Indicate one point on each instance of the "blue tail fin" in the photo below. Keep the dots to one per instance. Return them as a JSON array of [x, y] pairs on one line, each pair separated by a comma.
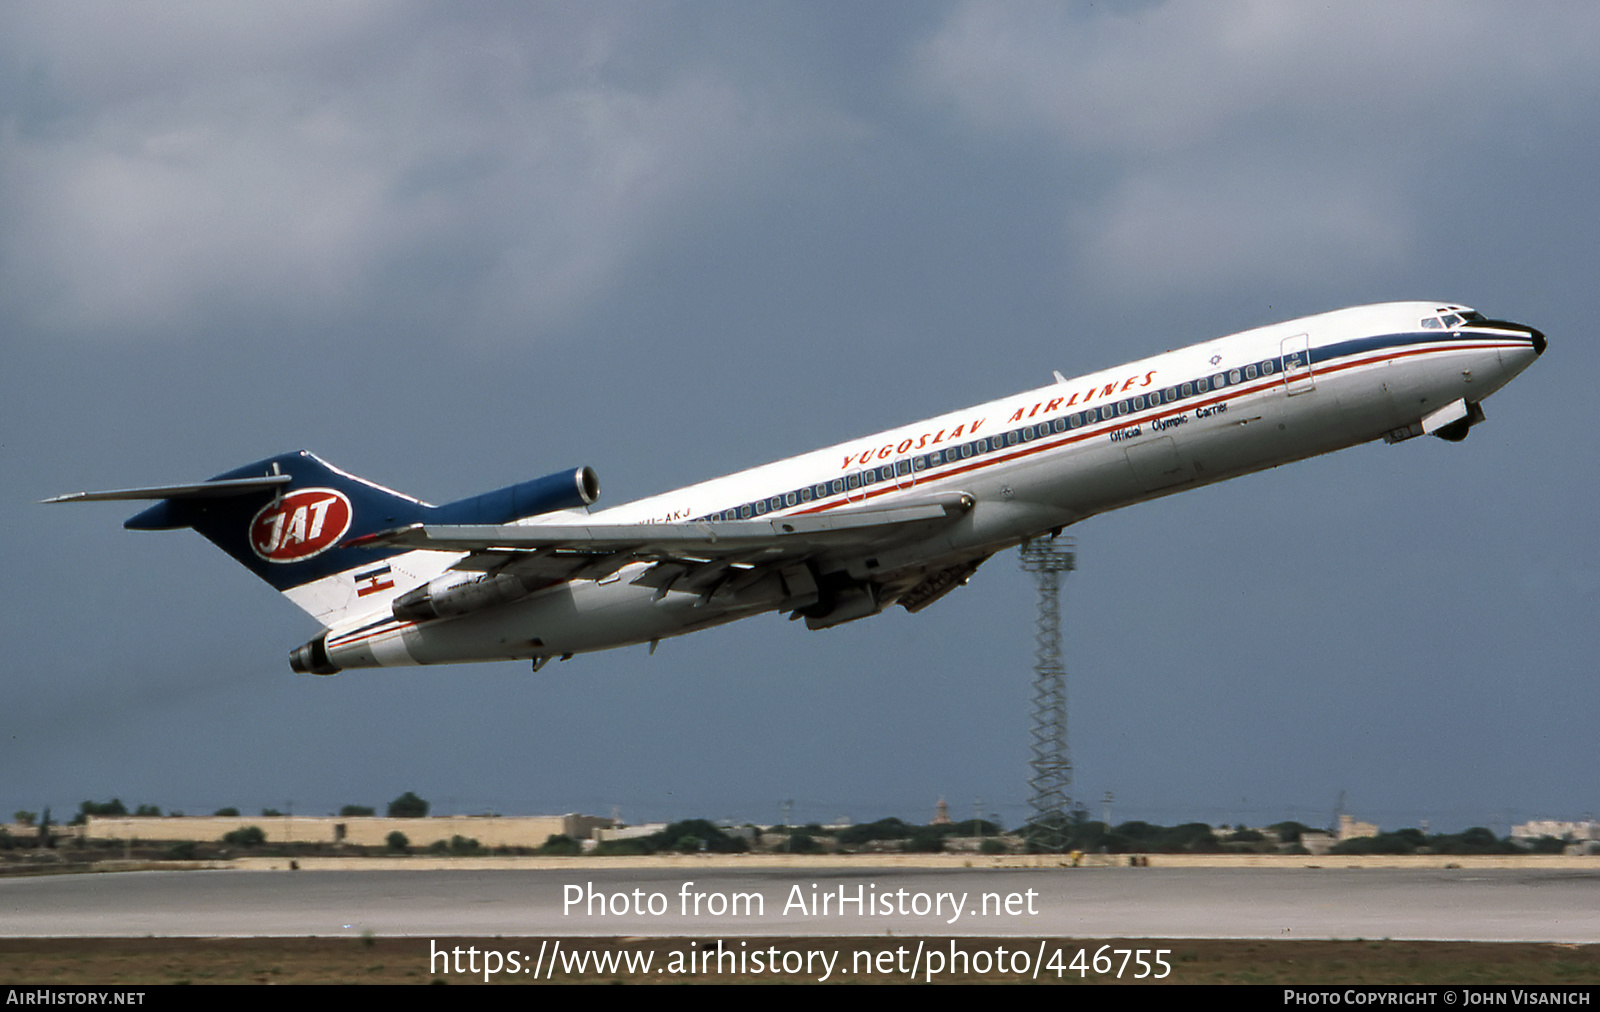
[[294, 533], [290, 535]]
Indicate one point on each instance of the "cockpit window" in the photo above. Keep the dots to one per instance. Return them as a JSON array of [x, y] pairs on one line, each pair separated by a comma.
[[1451, 317]]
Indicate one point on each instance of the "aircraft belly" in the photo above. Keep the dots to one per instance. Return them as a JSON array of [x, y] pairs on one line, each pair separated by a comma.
[[1199, 447], [1285, 428], [1157, 464], [1084, 479], [1194, 447]]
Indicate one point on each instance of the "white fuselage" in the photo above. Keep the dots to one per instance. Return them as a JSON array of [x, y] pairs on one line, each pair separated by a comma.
[[1032, 463]]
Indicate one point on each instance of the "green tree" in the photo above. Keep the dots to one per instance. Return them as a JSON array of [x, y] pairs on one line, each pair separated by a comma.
[[226, 812], [114, 807], [1476, 840], [1139, 832], [248, 836], [1401, 841], [698, 834], [356, 811], [25, 818], [397, 841], [147, 812], [408, 806], [972, 827], [884, 829], [561, 845], [1191, 837]]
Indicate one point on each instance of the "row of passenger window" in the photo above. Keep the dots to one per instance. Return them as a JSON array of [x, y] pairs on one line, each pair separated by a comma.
[[899, 469]]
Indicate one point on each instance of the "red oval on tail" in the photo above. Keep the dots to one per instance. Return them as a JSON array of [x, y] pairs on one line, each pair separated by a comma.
[[303, 523]]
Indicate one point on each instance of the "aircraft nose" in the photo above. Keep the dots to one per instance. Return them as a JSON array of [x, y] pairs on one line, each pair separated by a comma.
[[1534, 334], [1515, 359]]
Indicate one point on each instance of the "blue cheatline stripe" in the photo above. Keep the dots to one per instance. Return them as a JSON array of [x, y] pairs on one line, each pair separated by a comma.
[[1085, 423]]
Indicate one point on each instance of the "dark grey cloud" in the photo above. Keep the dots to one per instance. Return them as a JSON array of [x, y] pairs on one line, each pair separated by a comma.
[[1256, 141], [313, 157]]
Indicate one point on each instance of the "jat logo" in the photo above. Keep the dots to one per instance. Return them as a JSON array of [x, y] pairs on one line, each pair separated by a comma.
[[300, 525]]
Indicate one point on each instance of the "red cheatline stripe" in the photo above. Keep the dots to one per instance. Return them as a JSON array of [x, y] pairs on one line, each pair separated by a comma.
[[1042, 444]]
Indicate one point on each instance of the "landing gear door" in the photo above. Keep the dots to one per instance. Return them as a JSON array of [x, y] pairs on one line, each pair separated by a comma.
[[1297, 376]]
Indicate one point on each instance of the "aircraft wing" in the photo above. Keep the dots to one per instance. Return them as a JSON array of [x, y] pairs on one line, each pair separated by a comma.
[[839, 529], [699, 555]]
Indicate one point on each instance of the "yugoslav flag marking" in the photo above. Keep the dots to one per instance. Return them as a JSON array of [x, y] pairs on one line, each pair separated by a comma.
[[373, 580]]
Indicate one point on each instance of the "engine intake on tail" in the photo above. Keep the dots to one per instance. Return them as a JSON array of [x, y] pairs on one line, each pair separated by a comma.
[[457, 593]]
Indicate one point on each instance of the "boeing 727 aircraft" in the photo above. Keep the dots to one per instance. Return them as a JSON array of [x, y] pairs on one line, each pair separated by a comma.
[[901, 517]]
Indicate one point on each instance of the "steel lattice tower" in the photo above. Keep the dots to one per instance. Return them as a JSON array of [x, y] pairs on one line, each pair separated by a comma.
[[1047, 559]]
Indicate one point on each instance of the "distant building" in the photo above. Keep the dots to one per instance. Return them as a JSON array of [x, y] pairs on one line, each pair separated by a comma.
[[365, 831], [1572, 832], [941, 815], [1350, 829]]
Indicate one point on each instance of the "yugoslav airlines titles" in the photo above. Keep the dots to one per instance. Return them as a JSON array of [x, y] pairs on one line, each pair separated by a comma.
[[533, 571]]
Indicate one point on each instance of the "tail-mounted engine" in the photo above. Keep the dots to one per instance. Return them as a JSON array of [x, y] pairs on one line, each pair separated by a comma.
[[457, 593]]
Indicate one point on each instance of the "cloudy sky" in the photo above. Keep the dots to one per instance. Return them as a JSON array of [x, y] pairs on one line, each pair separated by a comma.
[[449, 247]]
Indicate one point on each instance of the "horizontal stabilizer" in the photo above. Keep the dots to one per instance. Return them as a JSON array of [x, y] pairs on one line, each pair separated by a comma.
[[202, 490]]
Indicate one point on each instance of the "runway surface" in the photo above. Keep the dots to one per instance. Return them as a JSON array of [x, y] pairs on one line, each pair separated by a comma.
[[1476, 905]]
